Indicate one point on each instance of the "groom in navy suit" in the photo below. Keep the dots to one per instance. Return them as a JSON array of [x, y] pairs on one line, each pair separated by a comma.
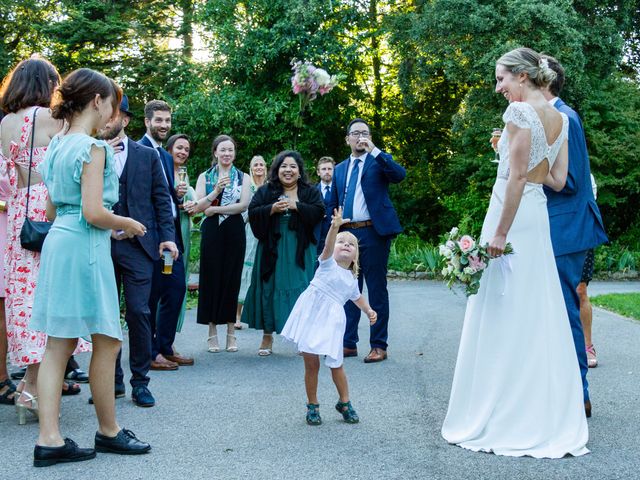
[[361, 187], [575, 221], [168, 291]]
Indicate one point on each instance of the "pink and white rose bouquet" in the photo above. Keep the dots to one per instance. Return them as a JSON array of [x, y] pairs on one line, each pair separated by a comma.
[[465, 260], [308, 81]]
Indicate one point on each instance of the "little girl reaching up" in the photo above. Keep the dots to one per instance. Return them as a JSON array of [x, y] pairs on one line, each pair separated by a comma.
[[317, 322]]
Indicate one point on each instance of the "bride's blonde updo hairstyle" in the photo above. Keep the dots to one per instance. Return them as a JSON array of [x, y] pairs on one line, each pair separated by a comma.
[[525, 60]]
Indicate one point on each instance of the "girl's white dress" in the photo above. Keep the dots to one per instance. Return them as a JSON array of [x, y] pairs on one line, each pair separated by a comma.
[[517, 388], [317, 322]]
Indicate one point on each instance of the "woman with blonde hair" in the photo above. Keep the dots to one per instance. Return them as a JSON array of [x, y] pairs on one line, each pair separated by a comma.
[[258, 175], [517, 388]]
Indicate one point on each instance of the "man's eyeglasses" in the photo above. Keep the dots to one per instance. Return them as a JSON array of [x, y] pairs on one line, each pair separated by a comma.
[[357, 133]]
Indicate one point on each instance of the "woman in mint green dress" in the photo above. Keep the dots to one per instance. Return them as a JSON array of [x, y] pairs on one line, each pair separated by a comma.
[[283, 215], [76, 291], [258, 175]]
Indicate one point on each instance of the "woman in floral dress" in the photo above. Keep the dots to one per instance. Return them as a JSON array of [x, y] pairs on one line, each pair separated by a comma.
[[25, 95]]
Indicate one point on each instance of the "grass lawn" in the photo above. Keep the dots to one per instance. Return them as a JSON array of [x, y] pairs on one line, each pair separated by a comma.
[[627, 304]]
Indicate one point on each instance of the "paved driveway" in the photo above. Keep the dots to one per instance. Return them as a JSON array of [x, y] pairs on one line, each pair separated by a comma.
[[238, 416]]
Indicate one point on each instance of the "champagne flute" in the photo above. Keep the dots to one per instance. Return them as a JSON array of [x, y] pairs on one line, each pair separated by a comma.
[[182, 174], [495, 138]]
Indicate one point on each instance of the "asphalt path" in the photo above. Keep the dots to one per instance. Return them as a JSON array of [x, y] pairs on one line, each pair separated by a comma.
[[240, 416]]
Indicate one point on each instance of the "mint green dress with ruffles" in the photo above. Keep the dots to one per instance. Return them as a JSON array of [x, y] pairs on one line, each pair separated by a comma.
[[76, 294]]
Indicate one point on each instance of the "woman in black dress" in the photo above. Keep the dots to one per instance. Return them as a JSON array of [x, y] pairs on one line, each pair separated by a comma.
[[224, 193]]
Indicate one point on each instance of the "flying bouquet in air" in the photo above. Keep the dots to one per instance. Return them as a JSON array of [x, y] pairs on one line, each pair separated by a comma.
[[465, 261], [308, 81]]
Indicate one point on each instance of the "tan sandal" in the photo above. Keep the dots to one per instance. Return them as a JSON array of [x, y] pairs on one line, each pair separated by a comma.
[[231, 343], [212, 343]]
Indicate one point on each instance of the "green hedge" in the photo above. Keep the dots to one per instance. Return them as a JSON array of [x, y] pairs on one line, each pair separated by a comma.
[[409, 253]]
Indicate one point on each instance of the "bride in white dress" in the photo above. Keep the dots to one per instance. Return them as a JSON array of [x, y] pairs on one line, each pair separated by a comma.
[[517, 389]]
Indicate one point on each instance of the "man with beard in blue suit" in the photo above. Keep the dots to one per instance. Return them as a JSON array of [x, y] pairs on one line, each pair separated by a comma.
[[168, 290], [574, 218], [361, 187]]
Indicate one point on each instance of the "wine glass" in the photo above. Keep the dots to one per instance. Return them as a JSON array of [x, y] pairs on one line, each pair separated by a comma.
[[495, 138], [282, 198]]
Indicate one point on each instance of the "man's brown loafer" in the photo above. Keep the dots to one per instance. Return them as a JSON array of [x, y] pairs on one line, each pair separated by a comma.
[[180, 360], [161, 363], [376, 355], [350, 352]]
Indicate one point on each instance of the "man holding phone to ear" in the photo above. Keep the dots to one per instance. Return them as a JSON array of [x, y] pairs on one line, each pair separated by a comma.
[[144, 197]]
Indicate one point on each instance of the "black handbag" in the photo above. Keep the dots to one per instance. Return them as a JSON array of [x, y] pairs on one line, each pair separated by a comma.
[[33, 233]]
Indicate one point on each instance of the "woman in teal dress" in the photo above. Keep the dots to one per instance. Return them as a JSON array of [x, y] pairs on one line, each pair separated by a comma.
[[179, 146], [76, 292], [283, 215]]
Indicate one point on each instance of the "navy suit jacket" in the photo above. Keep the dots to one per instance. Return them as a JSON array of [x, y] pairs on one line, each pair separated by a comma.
[[166, 161], [148, 200], [377, 173], [574, 217], [323, 227]]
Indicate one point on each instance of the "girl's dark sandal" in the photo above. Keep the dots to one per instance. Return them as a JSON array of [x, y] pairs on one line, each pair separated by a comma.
[[313, 414], [347, 411]]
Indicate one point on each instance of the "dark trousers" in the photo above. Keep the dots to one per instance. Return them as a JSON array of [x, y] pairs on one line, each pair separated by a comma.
[[374, 255], [134, 272], [165, 304], [570, 271]]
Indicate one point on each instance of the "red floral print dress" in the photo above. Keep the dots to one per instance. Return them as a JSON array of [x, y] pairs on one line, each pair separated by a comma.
[[26, 347]]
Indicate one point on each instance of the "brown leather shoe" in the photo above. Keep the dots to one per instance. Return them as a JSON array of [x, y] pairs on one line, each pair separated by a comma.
[[587, 408], [376, 355], [350, 352], [180, 360], [161, 363]]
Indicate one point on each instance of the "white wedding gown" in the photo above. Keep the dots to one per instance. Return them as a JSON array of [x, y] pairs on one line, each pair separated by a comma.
[[517, 388]]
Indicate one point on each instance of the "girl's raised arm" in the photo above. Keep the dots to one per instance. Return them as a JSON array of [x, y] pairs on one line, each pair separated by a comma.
[[336, 222]]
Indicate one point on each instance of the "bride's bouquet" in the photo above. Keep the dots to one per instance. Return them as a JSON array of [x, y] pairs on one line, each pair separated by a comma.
[[465, 260], [308, 81]]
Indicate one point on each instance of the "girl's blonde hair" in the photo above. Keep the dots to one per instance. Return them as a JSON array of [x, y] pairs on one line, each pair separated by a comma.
[[355, 265]]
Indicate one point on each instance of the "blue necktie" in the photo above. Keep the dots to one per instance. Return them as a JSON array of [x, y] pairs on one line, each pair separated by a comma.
[[351, 190], [327, 192]]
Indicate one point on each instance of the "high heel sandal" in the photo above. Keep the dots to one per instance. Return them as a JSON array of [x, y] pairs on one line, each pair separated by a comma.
[[231, 343], [212, 343], [22, 409], [266, 351]]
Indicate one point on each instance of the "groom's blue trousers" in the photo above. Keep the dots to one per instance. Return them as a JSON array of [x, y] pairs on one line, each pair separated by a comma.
[[570, 271], [374, 255]]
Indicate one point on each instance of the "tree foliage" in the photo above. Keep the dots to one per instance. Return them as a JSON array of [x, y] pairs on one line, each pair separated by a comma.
[[421, 71]]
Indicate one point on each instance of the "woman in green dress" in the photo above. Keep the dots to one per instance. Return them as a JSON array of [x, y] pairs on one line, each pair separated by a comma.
[[179, 146], [283, 215], [76, 294]]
